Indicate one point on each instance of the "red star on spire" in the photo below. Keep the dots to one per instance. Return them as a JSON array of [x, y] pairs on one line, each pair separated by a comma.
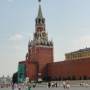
[[39, 0]]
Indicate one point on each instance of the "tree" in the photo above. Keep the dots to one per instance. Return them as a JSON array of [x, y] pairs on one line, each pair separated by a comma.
[[15, 78]]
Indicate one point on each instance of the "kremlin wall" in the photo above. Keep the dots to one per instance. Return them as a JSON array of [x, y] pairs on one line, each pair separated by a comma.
[[69, 70], [39, 61]]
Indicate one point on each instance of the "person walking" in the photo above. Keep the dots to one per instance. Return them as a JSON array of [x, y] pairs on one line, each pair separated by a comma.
[[64, 84], [49, 84], [19, 87], [12, 86], [29, 86]]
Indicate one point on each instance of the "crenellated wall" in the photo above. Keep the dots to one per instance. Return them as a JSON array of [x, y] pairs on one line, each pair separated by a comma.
[[78, 69]]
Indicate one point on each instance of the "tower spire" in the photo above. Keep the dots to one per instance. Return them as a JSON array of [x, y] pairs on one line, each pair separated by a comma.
[[40, 20], [40, 36], [39, 11]]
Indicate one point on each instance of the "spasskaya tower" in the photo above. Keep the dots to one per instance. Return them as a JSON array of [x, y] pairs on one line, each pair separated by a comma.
[[40, 49]]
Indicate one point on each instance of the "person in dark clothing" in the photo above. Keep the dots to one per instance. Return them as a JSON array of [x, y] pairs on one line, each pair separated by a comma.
[[49, 84], [12, 86]]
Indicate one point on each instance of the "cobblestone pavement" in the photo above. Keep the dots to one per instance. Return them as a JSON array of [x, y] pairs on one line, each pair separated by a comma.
[[44, 86], [58, 88]]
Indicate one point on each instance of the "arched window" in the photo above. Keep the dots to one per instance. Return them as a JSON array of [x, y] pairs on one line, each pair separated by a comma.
[[43, 21], [39, 21]]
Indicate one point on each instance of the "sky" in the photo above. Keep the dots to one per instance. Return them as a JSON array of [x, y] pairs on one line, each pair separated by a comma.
[[67, 24]]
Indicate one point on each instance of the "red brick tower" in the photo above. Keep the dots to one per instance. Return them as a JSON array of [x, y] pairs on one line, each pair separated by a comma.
[[40, 49]]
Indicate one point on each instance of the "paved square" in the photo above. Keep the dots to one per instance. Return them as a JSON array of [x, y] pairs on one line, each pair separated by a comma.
[[59, 88]]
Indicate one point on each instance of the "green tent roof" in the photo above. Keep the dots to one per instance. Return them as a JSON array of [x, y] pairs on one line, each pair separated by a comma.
[[40, 12]]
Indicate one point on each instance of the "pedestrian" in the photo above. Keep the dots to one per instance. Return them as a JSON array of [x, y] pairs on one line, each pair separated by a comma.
[[49, 84], [19, 87], [56, 84], [12, 86], [67, 84], [34, 84], [29, 86], [64, 84]]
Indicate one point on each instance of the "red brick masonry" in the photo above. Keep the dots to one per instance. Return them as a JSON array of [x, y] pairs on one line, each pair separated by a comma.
[[71, 69]]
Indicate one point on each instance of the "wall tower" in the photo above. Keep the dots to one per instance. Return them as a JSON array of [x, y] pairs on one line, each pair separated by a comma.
[[40, 49]]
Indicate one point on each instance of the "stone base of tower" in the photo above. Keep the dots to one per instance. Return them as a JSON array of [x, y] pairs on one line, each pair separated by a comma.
[[40, 57], [31, 70]]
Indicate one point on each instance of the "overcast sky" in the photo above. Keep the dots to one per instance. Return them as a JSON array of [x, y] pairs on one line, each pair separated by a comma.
[[67, 24]]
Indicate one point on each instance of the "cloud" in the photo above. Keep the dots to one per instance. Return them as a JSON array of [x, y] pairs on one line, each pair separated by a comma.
[[16, 37], [19, 40], [16, 41]]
